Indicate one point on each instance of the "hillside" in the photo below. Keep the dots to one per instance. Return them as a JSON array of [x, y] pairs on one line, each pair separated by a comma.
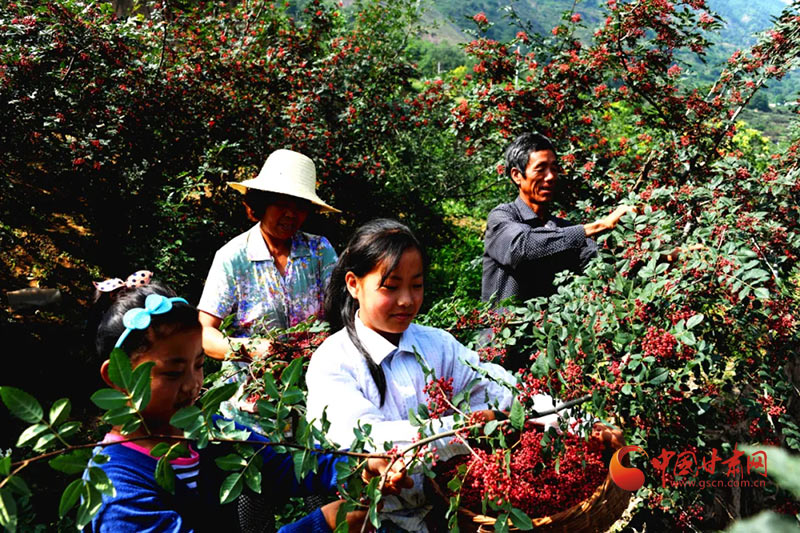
[[451, 23]]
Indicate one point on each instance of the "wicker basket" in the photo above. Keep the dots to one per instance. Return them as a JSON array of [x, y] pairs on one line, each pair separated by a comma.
[[594, 514]]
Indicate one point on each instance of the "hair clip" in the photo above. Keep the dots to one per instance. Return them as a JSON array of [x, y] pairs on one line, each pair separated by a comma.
[[137, 279], [139, 318]]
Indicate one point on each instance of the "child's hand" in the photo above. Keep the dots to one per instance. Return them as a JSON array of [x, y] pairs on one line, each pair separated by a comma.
[[395, 481], [354, 519]]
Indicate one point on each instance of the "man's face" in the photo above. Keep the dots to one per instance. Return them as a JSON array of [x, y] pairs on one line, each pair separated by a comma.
[[538, 185]]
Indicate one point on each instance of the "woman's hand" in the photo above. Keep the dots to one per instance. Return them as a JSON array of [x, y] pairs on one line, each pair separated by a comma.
[[396, 480], [608, 435]]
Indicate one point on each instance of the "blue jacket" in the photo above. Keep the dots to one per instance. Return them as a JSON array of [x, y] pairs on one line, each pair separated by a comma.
[[141, 505]]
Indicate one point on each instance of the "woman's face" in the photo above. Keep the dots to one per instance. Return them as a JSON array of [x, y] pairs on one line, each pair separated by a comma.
[[283, 218]]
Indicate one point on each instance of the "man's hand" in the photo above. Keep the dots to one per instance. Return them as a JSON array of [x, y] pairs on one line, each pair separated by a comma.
[[608, 222]]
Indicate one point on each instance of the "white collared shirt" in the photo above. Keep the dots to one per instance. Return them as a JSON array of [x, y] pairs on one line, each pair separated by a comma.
[[339, 381]]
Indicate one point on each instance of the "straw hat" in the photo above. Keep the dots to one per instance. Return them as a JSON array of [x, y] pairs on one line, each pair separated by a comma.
[[290, 173]]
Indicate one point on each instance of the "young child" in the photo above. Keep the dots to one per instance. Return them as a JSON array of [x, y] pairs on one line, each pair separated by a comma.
[[367, 371], [165, 330]]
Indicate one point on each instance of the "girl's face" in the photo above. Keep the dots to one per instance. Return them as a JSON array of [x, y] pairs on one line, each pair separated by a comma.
[[175, 379], [389, 308]]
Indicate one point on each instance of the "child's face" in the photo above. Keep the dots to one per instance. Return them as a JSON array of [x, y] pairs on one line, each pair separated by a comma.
[[389, 308], [176, 378]]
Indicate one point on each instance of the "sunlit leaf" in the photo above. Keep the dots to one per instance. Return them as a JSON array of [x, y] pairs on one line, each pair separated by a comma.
[[140, 394], [60, 411], [99, 479], [231, 462], [231, 488], [31, 433], [8, 510], [119, 369], [109, 399]]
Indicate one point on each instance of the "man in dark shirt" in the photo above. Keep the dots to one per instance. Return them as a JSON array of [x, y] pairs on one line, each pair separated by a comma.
[[525, 246]]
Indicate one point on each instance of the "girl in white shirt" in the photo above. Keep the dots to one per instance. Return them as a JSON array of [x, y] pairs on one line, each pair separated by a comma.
[[367, 372]]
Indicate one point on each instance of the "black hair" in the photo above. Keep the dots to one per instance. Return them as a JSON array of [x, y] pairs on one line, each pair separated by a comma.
[[181, 317], [379, 241], [258, 201], [519, 151]]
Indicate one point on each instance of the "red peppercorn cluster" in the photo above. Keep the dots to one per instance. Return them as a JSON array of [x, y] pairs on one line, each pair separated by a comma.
[[440, 394], [768, 404], [659, 343], [528, 478]]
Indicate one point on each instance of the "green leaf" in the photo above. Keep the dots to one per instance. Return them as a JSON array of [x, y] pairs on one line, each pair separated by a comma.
[[109, 399], [99, 479], [100, 459], [8, 510], [73, 462], [490, 426], [31, 433], [252, 477], [520, 520], [44, 442], [299, 460], [130, 426], [765, 522], [5, 465], [69, 497], [780, 466], [21, 404], [292, 396], [60, 411], [119, 415], [517, 415], [187, 417], [694, 320], [231, 488], [660, 376], [231, 462], [140, 394], [165, 475], [69, 429], [119, 369], [269, 386], [159, 449], [211, 400], [92, 500], [18, 485], [292, 373], [501, 525], [761, 293]]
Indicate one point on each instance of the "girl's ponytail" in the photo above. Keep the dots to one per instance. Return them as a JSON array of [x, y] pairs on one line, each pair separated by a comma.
[[379, 241], [340, 309]]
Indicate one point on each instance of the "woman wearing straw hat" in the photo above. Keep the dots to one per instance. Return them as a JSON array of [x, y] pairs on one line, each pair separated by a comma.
[[273, 275]]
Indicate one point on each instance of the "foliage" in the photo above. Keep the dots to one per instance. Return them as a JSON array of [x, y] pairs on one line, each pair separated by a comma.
[[691, 354]]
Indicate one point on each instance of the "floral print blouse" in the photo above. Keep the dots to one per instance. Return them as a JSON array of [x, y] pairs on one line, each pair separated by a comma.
[[244, 280]]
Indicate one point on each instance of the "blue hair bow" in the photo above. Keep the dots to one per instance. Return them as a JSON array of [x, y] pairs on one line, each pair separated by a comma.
[[139, 318]]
